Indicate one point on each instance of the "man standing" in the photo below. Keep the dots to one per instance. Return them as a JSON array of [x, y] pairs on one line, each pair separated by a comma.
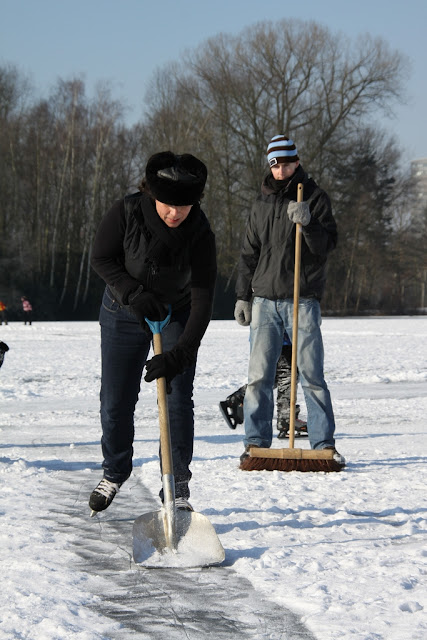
[[264, 292]]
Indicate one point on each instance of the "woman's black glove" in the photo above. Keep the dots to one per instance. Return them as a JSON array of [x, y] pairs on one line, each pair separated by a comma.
[[166, 365], [144, 304], [169, 364]]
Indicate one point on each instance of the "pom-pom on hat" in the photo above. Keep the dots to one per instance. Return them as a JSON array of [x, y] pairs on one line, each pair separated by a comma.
[[281, 149], [175, 179]]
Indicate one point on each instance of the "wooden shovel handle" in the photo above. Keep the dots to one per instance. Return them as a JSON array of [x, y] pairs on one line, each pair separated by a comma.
[[162, 401]]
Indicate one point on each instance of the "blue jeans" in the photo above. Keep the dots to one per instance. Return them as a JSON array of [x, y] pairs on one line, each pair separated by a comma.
[[124, 350], [269, 319]]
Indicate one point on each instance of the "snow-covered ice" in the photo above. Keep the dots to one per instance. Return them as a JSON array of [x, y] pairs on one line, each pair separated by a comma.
[[344, 552]]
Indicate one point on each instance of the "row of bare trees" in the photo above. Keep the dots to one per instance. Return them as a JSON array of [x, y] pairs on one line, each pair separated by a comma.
[[66, 158], [63, 161]]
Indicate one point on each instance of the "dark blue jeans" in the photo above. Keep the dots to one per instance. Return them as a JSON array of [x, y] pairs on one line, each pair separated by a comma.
[[124, 350]]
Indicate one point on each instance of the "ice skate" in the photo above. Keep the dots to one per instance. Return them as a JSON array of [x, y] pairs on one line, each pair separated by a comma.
[[232, 408], [103, 495]]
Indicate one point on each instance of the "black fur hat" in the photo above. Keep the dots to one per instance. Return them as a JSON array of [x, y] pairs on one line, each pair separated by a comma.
[[175, 179]]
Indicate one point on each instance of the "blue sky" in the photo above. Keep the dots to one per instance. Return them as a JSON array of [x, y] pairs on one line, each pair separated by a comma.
[[124, 41]]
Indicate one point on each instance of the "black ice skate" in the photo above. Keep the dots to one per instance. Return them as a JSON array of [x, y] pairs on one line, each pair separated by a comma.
[[300, 426], [232, 408], [103, 495]]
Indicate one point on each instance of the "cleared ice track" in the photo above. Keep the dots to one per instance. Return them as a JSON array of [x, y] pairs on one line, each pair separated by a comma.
[[189, 604]]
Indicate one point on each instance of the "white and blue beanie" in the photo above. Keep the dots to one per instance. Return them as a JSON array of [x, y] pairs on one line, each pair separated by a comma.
[[281, 149]]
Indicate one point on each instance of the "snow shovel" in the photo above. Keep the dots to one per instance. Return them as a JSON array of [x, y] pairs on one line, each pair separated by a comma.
[[172, 537]]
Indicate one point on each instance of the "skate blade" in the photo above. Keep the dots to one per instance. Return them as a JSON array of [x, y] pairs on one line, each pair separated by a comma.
[[298, 434], [228, 417]]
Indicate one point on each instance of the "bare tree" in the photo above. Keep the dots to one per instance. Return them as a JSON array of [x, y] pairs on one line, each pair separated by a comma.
[[291, 77], [15, 94]]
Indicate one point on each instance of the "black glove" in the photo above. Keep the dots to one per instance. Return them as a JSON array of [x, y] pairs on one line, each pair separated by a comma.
[[166, 365], [144, 304]]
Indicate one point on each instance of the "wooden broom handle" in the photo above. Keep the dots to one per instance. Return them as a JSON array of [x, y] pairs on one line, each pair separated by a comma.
[[294, 361]]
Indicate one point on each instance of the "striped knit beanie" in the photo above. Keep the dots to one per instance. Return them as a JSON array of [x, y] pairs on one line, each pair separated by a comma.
[[281, 149]]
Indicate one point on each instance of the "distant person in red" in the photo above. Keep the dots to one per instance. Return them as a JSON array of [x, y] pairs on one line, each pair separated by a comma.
[[27, 309], [3, 317]]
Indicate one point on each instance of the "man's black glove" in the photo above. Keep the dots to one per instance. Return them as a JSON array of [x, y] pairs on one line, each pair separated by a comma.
[[144, 304], [166, 365]]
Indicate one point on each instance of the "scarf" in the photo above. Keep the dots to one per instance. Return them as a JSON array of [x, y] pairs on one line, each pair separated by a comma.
[[270, 185], [165, 240]]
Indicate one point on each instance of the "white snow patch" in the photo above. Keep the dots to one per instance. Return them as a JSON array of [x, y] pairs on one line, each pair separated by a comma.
[[345, 551]]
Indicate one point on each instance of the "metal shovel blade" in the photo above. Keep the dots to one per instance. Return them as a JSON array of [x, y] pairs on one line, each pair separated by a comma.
[[197, 544]]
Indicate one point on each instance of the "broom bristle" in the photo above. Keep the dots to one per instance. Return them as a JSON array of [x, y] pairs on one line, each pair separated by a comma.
[[281, 464]]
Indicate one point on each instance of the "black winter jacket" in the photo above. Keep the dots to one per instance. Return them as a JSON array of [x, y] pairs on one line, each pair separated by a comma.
[[183, 277], [266, 265]]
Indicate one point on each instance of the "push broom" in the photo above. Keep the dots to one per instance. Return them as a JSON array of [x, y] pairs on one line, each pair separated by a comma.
[[291, 459]]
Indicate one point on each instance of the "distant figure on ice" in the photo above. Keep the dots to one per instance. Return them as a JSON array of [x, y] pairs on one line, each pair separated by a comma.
[[3, 349], [27, 309], [232, 406], [3, 308]]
